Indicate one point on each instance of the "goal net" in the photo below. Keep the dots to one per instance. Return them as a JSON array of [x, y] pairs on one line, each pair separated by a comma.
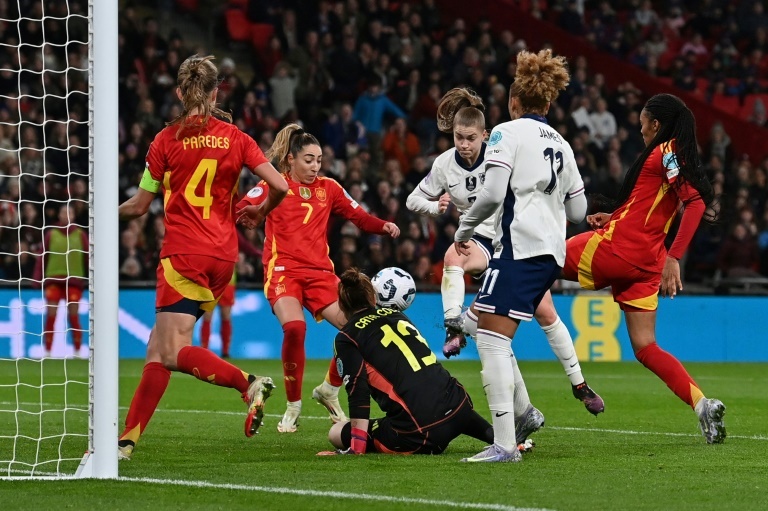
[[50, 423]]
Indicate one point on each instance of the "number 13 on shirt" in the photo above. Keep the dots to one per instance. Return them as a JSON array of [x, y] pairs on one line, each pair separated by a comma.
[[390, 336]]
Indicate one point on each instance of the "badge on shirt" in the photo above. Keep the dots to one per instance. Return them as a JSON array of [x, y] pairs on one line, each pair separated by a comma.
[[669, 160], [320, 193], [305, 192], [255, 192], [495, 138]]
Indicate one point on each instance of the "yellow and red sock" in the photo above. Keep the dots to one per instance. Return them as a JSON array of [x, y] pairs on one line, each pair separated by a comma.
[[77, 333], [205, 333], [294, 358], [154, 381], [226, 336], [50, 319], [664, 365], [208, 367]]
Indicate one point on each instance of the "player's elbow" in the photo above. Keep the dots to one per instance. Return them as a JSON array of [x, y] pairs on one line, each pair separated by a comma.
[[411, 202], [280, 188], [576, 209]]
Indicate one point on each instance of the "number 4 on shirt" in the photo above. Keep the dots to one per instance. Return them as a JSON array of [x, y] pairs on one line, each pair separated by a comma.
[[205, 169]]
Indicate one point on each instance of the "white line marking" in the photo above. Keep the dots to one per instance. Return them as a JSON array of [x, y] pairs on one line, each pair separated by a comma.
[[331, 494], [327, 418]]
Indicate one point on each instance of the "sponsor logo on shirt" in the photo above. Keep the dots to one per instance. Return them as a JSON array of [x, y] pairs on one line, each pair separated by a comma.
[[255, 192], [305, 192], [352, 202], [495, 138]]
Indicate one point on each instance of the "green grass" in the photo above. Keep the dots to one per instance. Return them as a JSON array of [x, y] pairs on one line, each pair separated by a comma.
[[645, 452]]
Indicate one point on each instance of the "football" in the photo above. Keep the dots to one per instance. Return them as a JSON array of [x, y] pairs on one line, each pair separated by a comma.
[[394, 288]]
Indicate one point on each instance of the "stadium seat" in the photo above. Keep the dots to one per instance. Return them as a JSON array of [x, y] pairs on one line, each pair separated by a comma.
[[261, 33], [725, 103], [238, 26]]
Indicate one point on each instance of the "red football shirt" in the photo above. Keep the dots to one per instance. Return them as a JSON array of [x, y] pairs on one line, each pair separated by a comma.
[[637, 229], [296, 231], [200, 171]]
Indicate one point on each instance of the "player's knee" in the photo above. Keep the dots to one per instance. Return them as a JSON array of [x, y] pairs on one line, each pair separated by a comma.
[[334, 434], [452, 258], [546, 315]]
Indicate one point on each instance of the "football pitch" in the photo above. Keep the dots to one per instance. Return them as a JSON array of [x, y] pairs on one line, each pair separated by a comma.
[[644, 452]]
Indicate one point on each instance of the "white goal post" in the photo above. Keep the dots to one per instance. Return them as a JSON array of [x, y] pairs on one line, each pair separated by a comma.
[[58, 415]]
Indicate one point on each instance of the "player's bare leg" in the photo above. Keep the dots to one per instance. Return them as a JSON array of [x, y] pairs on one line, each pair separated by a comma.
[[562, 346]]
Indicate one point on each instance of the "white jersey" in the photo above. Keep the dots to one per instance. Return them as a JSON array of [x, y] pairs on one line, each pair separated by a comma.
[[450, 174], [543, 176]]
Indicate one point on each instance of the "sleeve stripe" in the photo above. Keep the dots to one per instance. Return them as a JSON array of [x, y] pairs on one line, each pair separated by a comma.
[[500, 163], [429, 194], [576, 192]]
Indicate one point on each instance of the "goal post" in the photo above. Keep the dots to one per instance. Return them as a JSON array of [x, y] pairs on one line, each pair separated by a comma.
[[58, 229], [101, 460]]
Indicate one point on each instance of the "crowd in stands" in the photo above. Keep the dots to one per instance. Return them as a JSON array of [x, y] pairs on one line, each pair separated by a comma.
[[365, 77]]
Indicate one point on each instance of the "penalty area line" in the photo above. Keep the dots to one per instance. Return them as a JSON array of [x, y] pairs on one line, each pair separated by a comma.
[[333, 494]]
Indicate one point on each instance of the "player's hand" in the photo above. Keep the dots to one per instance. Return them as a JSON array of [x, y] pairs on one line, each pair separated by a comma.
[[337, 452], [392, 229], [670, 278], [251, 216], [443, 202], [462, 247], [598, 220]]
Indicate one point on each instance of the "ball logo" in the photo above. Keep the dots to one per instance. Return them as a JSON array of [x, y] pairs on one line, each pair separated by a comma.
[[495, 138], [255, 192]]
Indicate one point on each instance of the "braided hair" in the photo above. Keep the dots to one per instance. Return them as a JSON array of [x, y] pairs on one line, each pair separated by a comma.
[[676, 122]]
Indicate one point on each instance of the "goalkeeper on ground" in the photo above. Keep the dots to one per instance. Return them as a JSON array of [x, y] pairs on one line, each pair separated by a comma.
[[381, 355]]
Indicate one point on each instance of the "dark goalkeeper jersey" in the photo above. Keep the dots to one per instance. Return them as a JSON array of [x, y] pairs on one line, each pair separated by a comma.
[[380, 354]]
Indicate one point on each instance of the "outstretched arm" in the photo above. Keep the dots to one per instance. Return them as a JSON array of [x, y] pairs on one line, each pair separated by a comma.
[[138, 205]]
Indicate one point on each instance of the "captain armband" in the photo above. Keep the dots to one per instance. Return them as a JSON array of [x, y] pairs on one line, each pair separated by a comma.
[[148, 183]]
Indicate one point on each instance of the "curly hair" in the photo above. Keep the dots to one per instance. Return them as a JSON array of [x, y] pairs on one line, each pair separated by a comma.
[[539, 79]]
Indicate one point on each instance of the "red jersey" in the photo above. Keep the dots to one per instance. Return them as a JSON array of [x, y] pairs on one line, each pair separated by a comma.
[[200, 171], [637, 229], [296, 231]]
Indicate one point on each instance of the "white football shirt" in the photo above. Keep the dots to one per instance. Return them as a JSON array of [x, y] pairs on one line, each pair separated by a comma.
[[543, 176], [450, 174]]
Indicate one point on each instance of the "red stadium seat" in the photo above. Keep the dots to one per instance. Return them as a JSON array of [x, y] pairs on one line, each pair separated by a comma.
[[725, 103], [238, 26], [261, 33]]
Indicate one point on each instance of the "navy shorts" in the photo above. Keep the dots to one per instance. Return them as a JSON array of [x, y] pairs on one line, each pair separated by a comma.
[[515, 288], [486, 246]]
